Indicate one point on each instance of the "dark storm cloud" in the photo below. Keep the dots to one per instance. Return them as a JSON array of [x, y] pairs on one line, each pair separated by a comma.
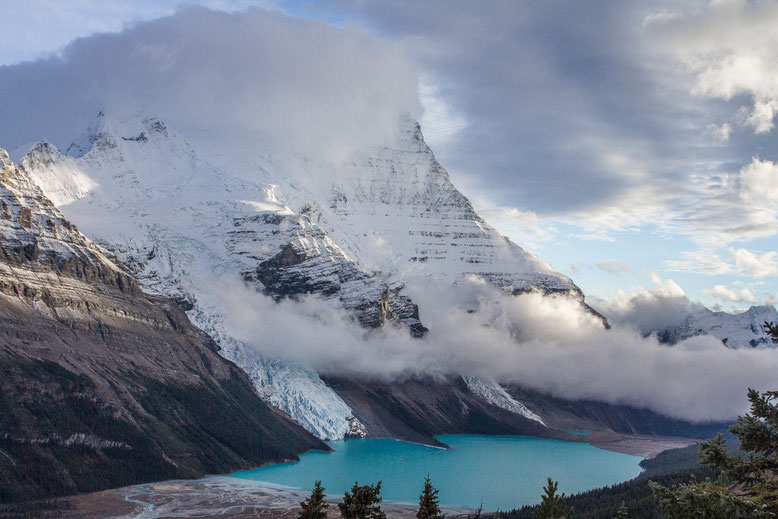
[[549, 91]]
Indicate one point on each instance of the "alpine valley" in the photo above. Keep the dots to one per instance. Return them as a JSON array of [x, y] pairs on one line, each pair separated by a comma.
[[132, 349]]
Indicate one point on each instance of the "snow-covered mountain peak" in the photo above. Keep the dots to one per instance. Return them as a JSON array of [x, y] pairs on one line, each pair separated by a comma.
[[60, 178], [181, 213], [399, 195]]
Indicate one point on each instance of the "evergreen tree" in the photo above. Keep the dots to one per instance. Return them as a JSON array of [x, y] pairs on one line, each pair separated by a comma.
[[362, 502], [622, 512], [552, 505], [706, 500], [428, 502], [748, 486], [478, 511], [315, 507], [771, 330]]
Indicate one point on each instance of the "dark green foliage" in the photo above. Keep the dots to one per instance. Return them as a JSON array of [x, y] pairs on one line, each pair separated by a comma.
[[601, 503], [748, 485], [772, 330], [57, 406], [682, 459], [362, 502], [552, 505], [44, 509], [673, 460], [429, 507], [671, 467], [622, 512], [315, 507], [706, 500]]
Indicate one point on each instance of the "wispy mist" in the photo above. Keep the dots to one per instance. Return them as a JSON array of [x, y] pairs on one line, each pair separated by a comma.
[[544, 342]]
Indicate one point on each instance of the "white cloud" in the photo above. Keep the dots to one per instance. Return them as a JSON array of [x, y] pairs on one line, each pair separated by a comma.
[[596, 235], [700, 262], [648, 309], [759, 183], [548, 343], [720, 134], [575, 269], [725, 294], [541, 138], [725, 208], [440, 121], [667, 287], [614, 267], [755, 264], [713, 208], [744, 263], [524, 227], [43, 27], [731, 49]]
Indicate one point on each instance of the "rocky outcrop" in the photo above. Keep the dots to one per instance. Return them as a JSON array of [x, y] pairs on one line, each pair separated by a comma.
[[102, 385], [418, 409], [307, 262], [35, 235]]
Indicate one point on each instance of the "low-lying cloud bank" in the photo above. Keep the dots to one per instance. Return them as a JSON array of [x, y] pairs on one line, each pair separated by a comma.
[[547, 343]]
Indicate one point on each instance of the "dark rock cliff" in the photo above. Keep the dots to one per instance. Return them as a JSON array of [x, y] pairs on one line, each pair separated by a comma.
[[102, 386]]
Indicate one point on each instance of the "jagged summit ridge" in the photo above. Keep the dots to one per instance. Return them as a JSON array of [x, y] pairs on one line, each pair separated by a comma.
[[395, 207], [741, 330]]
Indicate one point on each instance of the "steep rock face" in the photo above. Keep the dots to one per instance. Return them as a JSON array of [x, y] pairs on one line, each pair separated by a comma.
[[400, 197], [418, 409], [743, 330], [33, 233], [307, 262], [101, 385], [595, 417]]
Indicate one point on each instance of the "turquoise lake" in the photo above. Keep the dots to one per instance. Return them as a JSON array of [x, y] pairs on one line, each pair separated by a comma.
[[504, 471]]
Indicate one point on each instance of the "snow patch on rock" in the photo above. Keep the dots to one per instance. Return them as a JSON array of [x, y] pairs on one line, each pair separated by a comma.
[[491, 392]]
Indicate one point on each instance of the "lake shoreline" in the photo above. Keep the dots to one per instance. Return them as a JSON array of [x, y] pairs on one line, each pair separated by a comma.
[[225, 496], [644, 446]]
